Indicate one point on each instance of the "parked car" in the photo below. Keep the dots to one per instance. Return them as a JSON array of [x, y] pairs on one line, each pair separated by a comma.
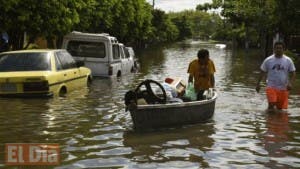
[[102, 53], [41, 73]]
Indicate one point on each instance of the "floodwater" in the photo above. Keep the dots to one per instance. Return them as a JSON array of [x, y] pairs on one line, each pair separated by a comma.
[[94, 131]]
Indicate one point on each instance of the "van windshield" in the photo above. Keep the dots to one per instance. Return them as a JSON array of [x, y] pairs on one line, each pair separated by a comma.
[[86, 49]]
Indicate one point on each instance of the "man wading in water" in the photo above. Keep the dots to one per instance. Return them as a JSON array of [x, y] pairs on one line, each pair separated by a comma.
[[201, 71], [277, 68]]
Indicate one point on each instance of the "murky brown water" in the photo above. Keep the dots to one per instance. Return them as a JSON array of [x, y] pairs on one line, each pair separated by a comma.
[[94, 130]]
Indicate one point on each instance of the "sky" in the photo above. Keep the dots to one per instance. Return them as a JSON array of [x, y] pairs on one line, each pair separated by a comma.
[[177, 5]]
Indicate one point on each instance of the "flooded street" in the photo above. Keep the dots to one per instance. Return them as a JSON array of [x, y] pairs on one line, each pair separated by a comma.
[[94, 130]]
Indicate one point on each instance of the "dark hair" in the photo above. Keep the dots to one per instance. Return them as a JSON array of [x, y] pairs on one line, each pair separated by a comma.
[[202, 53], [279, 43]]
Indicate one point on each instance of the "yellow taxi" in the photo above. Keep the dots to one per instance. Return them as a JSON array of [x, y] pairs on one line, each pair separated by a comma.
[[44, 72]]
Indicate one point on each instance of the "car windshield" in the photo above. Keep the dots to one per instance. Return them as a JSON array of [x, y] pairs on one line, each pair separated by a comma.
[[10, 62]]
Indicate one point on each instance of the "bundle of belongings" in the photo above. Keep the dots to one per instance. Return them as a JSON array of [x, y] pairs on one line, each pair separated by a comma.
[[176, 91]]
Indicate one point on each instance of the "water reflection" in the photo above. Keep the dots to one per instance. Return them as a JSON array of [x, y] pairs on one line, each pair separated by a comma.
[[183, 144], [276, 138], [16, 124], [151, 60], [277, 125], [243, 68]]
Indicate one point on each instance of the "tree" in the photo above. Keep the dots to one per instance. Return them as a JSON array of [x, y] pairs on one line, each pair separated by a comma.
[[263, 18], [38, 18], [164, 28], [287, 16], [129, 21], [196, 24], [184, 26]]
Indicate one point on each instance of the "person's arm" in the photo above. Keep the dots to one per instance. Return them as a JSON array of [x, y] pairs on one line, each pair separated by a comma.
[[212, 72], [212, 80], [261, 76], [189, 71], [291, 82], [190, 79]]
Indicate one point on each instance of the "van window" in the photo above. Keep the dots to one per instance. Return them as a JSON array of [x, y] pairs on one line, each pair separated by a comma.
[[127, 55], [66, 60], [86, 49], [131, 51], [116, 52], [122, 53]]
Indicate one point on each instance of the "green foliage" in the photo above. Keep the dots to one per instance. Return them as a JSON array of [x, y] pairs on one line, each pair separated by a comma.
[[196, 24], [287, 15], [38, 18], [258, 18], [140, 29], [184, 26], [129, 21], [163, 28], [133, 22], [292, 55]]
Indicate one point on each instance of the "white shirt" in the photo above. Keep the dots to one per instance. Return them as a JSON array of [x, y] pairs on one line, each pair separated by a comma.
[[278, 70]]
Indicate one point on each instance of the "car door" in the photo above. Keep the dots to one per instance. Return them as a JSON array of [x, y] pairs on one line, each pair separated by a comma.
[[69, 70], [59, 78]]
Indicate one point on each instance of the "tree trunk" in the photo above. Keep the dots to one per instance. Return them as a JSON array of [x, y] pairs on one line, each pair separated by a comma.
[[266, 45], [246, 39], [16, 40], [50, 43], [59, 41], [30, 40]]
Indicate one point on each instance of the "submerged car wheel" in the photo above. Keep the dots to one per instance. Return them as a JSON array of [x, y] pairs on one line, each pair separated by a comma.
[[89, 81], [119, 74], [133, 69], [62, 92]]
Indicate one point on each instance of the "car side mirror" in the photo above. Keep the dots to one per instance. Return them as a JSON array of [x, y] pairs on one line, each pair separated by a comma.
[[79, 63]]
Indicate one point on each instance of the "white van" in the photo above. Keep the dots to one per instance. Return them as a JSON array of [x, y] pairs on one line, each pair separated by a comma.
[[102, 53]]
